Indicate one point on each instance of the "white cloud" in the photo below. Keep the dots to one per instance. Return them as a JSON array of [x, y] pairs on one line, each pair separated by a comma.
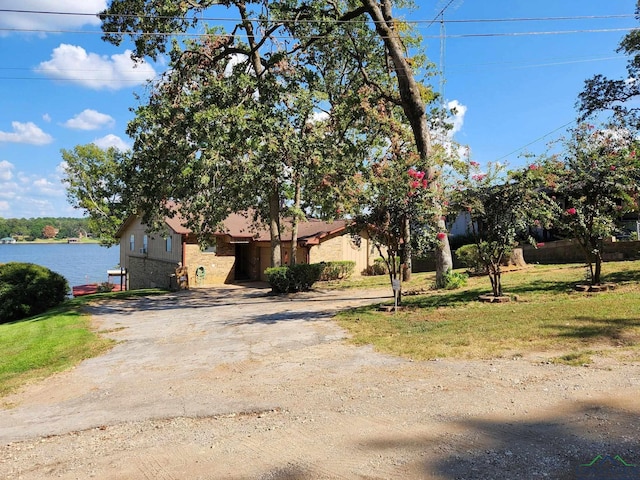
[[26, 133], [76, 65], [6, 171], [43, 186], [319, 117], [28, 196], [235, 59], [46, 117], [41, 22], [459, 112], [112, 141], [89, 120]]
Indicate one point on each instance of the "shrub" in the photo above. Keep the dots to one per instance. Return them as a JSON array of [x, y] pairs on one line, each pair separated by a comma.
[[27, 289], [468, 256], [105, 287], [379, 267], [296, 278], [453, 280], [337, 270]]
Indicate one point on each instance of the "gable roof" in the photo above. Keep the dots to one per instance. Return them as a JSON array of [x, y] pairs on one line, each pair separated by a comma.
[[239, 227]]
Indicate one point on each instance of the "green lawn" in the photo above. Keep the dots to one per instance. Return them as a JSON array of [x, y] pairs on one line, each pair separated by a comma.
[[548, 318]]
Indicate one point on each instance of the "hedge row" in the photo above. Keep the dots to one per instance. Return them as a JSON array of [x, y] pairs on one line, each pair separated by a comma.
[[301, 277]]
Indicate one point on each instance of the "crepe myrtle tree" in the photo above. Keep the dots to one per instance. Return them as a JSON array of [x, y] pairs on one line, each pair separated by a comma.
[[596, 183], [396, 192], [500, 206]]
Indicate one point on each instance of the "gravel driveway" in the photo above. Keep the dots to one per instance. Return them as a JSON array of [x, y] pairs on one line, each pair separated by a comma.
[[233, 383]]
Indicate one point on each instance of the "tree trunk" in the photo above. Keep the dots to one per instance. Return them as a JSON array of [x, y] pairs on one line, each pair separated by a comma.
[[598, 270], [407, 252], [517, 258], [274, 228], [443, 258], [414, 109], [274, 196], [295, 220]]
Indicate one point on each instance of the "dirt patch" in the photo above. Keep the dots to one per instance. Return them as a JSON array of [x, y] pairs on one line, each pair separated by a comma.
[[234, 383]]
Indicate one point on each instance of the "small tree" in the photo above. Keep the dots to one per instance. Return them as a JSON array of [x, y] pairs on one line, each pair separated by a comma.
[[95, 183], [596, 185], [500, 207], [49, 232], [391, 197]]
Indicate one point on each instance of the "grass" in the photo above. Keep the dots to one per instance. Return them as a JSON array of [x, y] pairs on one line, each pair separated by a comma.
[[549, 318], [35, 348]]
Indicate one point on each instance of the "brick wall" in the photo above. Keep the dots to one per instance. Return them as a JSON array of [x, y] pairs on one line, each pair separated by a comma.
[[218, 267], [150, 273]]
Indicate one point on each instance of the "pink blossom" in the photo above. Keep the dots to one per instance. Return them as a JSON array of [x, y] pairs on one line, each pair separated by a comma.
[[441, 236], [612, 168], [419, 175], [533, 166], [571, 211], [425, 183], [415, 184], [479, 177], [474, 164], [412, 172], [632, 154]]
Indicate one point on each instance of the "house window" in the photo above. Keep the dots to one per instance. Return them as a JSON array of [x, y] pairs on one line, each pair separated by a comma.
[[167, 243], [145, 244], [132, 242]]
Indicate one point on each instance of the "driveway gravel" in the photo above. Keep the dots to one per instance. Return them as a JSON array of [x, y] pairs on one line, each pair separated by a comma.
[[234, 383]]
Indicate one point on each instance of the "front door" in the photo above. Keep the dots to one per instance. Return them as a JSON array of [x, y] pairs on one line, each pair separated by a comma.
[[242, 266]]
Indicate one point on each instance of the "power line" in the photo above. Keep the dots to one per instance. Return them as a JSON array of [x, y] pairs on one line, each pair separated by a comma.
[[536, 140], [417, 22], [204, 35]]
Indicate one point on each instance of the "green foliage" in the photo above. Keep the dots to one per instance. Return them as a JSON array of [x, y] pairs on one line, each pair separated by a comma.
[[337, 270], [596, 183], [33, 228], [225, 137], [618, 96], [501, 206], [294, 278], [105, 287], [379, 267], [27, 289], [96, 183], [469, 257], [454, 280]]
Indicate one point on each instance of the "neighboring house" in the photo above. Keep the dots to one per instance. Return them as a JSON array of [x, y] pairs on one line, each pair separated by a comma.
[[240, 252], [6, 240]]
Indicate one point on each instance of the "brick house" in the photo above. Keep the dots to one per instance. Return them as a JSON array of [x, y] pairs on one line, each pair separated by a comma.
[[240, 252]]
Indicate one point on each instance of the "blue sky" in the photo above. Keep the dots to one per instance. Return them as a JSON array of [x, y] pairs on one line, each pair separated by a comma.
[[515, 82]]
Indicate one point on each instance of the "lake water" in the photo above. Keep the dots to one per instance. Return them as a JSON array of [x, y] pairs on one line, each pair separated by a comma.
[[79, 263]]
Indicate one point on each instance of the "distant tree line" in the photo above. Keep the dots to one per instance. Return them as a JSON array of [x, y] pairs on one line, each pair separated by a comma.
[[44, 228]]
